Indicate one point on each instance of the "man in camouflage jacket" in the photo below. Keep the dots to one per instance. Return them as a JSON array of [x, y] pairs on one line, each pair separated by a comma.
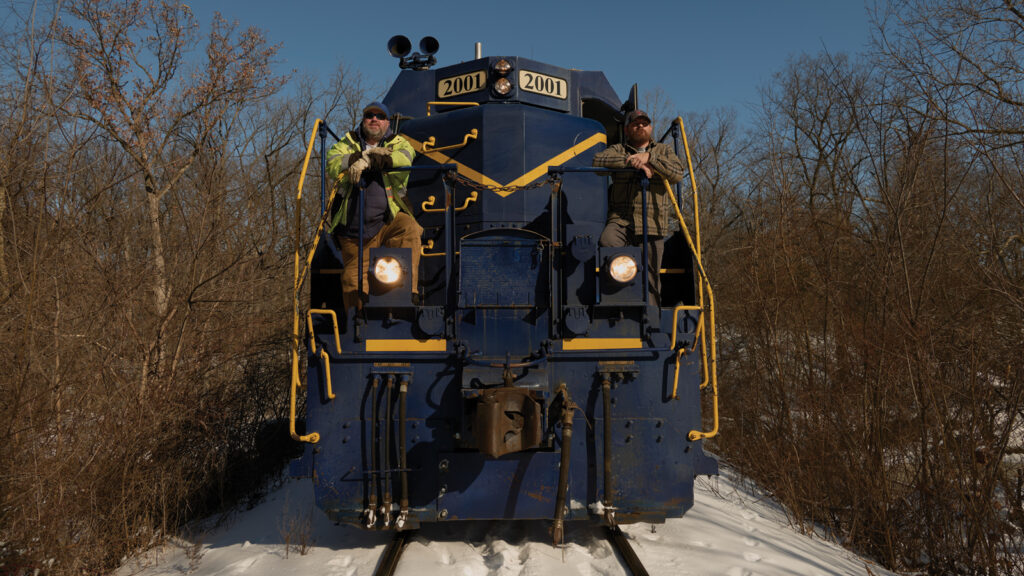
[[625, 208]]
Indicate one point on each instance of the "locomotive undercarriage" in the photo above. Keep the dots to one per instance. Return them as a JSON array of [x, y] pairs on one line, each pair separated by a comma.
[[438, 438]]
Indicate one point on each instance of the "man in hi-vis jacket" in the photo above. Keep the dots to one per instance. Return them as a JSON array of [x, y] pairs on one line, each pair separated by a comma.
[[368, 153]]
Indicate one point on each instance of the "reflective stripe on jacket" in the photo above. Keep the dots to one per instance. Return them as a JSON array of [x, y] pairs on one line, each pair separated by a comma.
[[395, 183]]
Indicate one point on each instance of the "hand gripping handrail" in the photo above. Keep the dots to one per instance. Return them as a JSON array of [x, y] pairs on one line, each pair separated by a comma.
[[429, 142]]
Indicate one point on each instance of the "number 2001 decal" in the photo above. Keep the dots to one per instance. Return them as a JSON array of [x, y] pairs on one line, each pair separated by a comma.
[[461, 84], [543, 84]]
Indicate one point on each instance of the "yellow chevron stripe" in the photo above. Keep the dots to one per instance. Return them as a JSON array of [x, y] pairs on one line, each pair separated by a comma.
[[523, 180]]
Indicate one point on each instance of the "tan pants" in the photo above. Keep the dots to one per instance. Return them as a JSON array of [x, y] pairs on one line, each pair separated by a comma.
[[402, 232]]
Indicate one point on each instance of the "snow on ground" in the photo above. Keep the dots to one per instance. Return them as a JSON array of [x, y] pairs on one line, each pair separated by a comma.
[[729, 531]]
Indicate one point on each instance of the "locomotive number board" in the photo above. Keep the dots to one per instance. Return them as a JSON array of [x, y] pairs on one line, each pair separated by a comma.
[[461, 84], [543, 84]]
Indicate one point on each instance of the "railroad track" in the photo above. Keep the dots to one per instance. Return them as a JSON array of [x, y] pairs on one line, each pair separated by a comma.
[[621, 544], [393, 553]]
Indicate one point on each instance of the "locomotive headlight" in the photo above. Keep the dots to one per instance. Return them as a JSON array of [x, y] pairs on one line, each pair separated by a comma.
[[503, 67], [502, 86], [387, 270], [622, 269]]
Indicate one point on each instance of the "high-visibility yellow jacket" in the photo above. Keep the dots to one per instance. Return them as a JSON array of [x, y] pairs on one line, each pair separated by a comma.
[[340, 156]]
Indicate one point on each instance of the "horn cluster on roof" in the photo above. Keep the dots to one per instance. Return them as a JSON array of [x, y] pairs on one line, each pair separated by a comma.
[[399, 46]]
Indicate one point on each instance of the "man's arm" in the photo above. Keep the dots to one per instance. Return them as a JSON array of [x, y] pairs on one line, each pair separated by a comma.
[[402, 152], [612, 157], [664, 161], [339, 158]]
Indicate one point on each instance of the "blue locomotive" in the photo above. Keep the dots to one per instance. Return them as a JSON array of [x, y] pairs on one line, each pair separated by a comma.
[[531, 379]]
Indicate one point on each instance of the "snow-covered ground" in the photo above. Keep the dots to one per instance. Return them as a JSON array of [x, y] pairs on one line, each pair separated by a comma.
[[729, 531]]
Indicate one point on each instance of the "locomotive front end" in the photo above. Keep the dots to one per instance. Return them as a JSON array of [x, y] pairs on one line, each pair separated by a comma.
[[532, 378]]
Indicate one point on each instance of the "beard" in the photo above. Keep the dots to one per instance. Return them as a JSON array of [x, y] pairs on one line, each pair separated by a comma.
[[374, 134], [638, 138]]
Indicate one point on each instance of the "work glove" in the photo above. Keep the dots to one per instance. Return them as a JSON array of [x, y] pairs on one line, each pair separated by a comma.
[[380, 158], [355, 170], [381, 163], [378, 151]]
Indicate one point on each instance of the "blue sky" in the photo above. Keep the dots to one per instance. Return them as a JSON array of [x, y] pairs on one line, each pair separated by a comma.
[[702, 54]]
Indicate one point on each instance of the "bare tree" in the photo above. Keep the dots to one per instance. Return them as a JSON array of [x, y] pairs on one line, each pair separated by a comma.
[[131, 82]]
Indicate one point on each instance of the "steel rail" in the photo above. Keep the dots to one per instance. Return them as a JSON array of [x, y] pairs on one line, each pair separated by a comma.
[[621, 544], [393, 553]]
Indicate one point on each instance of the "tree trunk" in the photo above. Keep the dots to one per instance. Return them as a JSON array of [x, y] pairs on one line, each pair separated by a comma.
[[161, 289], [4, 284]]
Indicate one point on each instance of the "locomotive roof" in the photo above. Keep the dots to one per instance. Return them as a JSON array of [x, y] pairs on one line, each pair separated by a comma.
[[533, 83]]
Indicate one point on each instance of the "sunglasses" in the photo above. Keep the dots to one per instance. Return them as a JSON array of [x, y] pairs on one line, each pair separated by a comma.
[[377, 115]]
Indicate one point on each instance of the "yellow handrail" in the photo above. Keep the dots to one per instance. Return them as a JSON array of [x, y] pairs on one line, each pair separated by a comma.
[[327, 372], [441, 102], [334, 320], [427, 246], [709, 364], [426, 206], [698, 254], [313, 437], [426, 147]]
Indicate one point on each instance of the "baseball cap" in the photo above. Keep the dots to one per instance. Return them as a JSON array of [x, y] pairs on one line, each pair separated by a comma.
[[379, 106], [636, 114]]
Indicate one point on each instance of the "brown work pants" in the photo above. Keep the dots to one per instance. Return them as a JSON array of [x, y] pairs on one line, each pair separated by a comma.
[[402, 232]]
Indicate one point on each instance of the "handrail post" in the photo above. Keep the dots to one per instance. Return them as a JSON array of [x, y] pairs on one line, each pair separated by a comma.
[[359, 259], [644, 269], [449, 226], [555, 289], [322, 133], [678, 186]]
